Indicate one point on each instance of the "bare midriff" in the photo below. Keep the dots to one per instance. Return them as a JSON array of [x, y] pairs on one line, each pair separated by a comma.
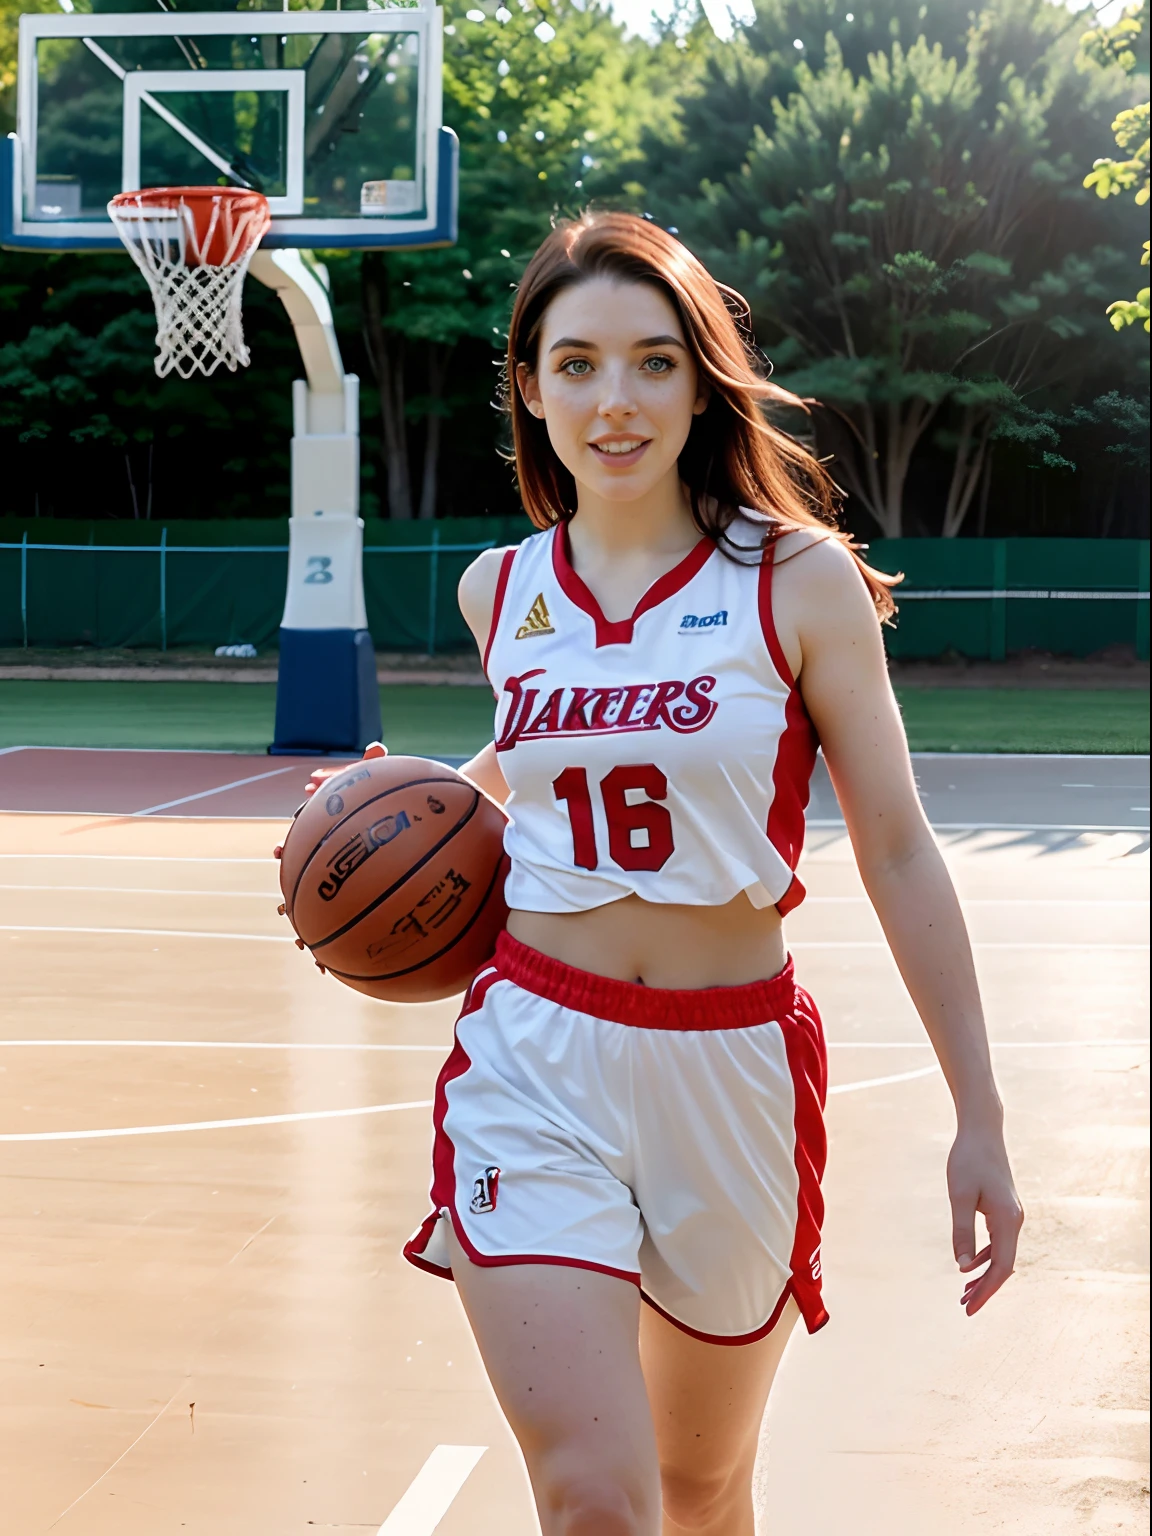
[[678, 947]]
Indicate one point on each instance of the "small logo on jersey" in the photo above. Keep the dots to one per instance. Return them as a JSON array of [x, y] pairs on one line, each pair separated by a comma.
[[814, 1262], [538, 622], [484, 1192], [692, 623]]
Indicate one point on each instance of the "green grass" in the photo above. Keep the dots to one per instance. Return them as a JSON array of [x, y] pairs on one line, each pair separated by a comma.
[[1025, 719], [238, 717], [234, 717]]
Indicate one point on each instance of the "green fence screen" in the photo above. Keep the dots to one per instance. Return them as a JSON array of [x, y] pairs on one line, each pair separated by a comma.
[[203, 584], [984, 598]]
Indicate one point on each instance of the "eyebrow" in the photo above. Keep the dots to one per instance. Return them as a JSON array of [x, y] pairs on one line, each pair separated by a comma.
[[588, 346]]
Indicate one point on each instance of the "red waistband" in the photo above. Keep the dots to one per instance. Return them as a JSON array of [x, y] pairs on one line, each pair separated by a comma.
[[627, 1002]]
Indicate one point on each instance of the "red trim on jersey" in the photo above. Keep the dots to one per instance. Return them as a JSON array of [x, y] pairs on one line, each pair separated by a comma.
[[729, 1338], [498, 602], [443, 1192], [767, 619], [795, 752], [628, 1002], [619, 631], [808, 1063]]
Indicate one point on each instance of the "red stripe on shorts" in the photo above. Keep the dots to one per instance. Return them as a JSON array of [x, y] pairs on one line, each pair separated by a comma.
[[443, 1191], [808, 1062]]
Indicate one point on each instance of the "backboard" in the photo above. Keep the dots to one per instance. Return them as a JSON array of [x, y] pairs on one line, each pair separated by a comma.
[[335, 116]]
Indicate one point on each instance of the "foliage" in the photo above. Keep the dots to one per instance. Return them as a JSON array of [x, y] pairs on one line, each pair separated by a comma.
[[909, 231], [899, 195], [81, 407], [539, 94], [1122, 45]]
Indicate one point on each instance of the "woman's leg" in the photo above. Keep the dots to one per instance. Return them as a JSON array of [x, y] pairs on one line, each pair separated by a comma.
[[561, 1349], [707, 1405]]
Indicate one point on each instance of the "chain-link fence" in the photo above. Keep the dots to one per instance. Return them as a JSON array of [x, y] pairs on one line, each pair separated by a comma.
[[974, 597]]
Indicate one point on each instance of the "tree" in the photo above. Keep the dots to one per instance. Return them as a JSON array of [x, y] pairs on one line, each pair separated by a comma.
[[539, 95], [1122, 45], [909, 232]]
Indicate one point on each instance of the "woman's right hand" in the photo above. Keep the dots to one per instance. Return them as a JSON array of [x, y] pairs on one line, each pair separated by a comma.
[[320, 776]]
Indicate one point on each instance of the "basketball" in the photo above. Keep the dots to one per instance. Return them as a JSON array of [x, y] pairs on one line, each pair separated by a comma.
[[393, 877]]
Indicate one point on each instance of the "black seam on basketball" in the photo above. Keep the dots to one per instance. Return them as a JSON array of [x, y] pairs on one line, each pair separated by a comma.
[[407, 875], [408, 970], [336, 825]]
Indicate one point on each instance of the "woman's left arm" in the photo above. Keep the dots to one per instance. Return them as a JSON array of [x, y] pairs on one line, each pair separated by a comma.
[[826, 618]]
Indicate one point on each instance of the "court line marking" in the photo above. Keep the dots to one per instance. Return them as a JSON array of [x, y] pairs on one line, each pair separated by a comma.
[[136, 890], [970, 757], [144, 858], [215, 1125], [880, 1082], [206, 794], [150, 1425], [444, 1047], [31, 746], [972, 826], [150, 933], [115, 816], [1016, 757], [432, 1491], [818, 823], [366, 1109], [243, 1045], [965, 901], [1080, 903], [276, 938], [1027, 944]]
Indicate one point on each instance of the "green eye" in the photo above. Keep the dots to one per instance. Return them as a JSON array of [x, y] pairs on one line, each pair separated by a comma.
[[658, 364], [577, 367]]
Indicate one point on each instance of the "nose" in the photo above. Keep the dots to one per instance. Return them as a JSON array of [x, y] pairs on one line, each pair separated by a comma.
[[617, 402]]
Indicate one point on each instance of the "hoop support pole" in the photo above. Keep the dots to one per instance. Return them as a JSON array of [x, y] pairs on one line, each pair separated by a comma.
[[326, 695]]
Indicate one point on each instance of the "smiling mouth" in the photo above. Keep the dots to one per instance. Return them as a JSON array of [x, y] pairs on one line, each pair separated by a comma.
[[626, 449]]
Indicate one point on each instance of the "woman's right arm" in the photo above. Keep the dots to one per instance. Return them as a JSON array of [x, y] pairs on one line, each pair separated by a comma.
[[477, 597]]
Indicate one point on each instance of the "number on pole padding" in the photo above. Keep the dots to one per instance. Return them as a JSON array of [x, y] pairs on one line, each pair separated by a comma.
[[623, 819], [319, 574]]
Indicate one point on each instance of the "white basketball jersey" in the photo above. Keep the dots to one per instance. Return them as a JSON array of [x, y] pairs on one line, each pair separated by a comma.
[[668, 754]]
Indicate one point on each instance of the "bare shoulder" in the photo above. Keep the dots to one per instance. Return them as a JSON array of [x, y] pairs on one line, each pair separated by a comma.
[[821, 604], [477, 592], [818, 583]]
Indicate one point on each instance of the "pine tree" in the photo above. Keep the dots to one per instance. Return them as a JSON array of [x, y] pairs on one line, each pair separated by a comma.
[[910, 231]]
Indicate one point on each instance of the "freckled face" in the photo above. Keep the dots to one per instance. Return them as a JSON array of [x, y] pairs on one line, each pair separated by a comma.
[[616, 385]]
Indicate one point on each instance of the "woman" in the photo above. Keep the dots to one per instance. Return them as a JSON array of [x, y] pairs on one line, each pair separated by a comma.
[[632, 1110]]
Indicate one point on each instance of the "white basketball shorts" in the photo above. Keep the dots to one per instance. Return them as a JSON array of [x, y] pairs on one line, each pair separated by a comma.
[[674, 1139]]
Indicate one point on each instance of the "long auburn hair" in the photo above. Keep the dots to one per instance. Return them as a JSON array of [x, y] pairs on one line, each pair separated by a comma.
[[734, 457]]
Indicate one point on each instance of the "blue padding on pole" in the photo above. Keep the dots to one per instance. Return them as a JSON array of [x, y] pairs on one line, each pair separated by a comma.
[[326, 694]]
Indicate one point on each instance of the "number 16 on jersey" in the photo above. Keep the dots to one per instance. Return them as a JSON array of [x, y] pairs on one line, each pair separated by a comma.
[[639, 832]]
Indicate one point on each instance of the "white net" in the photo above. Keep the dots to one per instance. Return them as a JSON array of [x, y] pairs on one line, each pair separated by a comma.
[[193, 246]]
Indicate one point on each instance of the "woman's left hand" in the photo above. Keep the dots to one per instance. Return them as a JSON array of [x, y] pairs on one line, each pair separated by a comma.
[[979, 1179]]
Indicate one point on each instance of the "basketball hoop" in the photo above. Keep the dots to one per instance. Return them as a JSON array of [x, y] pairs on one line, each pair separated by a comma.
[[193, 245]]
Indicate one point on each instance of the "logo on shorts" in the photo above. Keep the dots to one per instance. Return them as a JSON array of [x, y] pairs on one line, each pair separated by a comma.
[[814, 1262], [538, 622], [484, 1192]]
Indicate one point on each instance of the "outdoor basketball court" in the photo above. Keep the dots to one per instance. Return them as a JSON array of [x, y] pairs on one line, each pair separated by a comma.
[[211, 1155]]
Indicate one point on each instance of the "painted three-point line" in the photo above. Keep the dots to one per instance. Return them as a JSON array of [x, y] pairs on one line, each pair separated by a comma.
[[432, 1491]]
